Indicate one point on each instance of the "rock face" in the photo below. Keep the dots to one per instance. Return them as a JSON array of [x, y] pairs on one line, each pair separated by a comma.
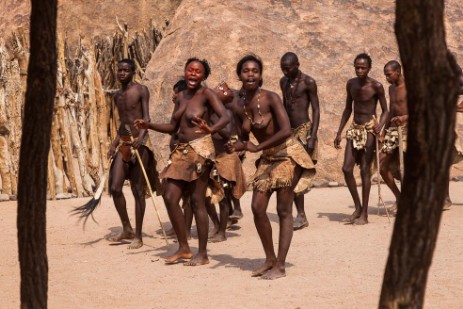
[[90, 18], [326, 35]]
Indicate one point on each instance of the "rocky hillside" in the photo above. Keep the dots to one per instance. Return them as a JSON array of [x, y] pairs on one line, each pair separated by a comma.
[[88, 18], [326, 35]]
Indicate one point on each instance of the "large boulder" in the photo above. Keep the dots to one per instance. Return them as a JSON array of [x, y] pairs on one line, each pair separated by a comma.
[[326, 35], [91, 18]]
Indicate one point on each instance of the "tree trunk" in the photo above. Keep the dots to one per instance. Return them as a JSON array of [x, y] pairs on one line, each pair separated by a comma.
[[432, 83], [32, 189]]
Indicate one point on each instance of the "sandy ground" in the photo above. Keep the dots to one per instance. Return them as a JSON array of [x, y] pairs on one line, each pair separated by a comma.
[[330, 265]]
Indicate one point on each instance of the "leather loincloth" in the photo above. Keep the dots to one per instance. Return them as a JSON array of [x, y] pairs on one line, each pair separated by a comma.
[[302, 133], [188, 160], [277, 165], [358, 133], [391, 139], [228, 171], [151, 171]]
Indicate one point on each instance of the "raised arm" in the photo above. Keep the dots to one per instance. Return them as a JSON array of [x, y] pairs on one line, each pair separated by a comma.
[[168, 128]]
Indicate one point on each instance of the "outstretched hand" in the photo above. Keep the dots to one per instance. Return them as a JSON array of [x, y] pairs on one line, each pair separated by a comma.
[[399, 120], [141, 124], [202, 125], [237, 146]]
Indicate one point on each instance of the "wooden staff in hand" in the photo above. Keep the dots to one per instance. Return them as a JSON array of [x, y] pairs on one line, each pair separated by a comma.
[[147, 183]]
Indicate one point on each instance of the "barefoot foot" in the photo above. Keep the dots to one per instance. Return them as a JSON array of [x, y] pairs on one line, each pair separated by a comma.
[[217, 238], [231, 222], [126, 234], [360, 221], [352, 217], [300, 222], [236, 215], [262, 269], [179, 255], [447, 204], [136, 243], [197, 260], [274, 273]]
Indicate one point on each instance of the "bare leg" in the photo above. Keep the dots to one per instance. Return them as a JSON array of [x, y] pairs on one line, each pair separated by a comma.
[[365, 173], [138, 185], [285, 197], [301, 220], [259, 206], [172, 197], [198, 196], [237, 213], [188, 213], [387, 176], [224, 213], [118, 171], [212, 212], [348, 170]]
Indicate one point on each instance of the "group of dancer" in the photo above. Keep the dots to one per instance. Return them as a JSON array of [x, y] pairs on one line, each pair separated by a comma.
[[210, 132]]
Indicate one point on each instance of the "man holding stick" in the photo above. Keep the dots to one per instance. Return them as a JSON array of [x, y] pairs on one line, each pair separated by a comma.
[[394, 136], [363, 94], [132, 103]]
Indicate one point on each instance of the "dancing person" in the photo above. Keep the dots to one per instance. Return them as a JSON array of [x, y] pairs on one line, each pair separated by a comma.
[[284, 166], [191, 160]]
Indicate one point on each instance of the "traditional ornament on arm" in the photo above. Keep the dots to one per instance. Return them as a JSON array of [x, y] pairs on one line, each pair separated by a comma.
[[254, 123]]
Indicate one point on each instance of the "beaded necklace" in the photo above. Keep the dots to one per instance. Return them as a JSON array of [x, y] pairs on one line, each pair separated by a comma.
[[291, 91], [257, 124]]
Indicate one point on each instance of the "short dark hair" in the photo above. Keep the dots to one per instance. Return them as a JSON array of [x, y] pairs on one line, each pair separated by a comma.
[[395, 65], [364, 56], [204, 63], [254, 58], [130, 62], [180, 85], [290, 56]]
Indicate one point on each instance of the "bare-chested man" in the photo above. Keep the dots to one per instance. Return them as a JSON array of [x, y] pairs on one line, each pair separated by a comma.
[[132, 103], [299, 93], [397, 119], [363, 94]]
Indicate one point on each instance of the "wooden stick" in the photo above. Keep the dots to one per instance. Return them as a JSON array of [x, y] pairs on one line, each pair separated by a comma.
[[149, 188], [378, 177]]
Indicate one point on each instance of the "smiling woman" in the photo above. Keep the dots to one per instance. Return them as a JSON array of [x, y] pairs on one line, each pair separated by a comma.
[[284, 167], [190, 160]]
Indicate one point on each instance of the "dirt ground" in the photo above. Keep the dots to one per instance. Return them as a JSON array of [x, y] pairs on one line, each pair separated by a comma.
[[329, 265]]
